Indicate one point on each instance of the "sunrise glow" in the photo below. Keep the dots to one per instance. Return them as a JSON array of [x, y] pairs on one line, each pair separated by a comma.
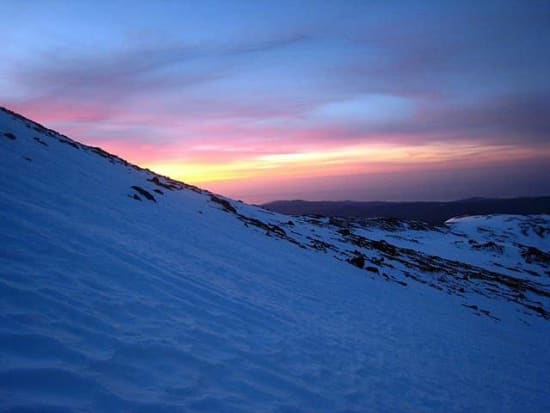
[[266, 107]]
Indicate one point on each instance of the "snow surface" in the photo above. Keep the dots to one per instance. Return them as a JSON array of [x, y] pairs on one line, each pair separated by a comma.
[[193, 302], [465, 239]]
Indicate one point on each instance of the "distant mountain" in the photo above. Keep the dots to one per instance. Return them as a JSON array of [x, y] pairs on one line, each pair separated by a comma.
[[122, 290], [430, 212]]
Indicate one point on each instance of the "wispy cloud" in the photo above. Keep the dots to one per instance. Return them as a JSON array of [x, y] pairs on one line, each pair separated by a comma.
[[109, 79]]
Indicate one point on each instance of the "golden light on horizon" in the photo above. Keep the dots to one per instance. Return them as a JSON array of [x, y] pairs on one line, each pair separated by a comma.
[[355, 159]]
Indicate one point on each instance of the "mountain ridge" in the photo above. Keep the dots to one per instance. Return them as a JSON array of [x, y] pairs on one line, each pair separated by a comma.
[[434, 212]]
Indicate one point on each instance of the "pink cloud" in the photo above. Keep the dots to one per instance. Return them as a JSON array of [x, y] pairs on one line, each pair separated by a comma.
[[59, 111]]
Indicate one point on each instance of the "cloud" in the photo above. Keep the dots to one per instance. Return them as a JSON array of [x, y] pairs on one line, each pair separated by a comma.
[[452, 75], [89, 83], [447, 49], [518, 118], [112, 77], [277, 42], [139, 66], [508, 119]]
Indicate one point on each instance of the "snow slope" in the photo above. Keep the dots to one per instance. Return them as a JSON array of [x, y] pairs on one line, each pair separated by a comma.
[[121, 290]]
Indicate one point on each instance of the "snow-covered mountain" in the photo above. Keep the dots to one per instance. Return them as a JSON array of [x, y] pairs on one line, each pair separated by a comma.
[[123, 290]]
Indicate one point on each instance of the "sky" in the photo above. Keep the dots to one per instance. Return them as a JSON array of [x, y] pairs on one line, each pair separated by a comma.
[[318, 100]]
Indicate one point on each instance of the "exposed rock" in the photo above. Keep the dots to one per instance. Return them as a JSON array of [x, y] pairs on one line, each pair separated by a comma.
[[40, 141], [358, 261], [534, 255], [224, 203], [144, 193]]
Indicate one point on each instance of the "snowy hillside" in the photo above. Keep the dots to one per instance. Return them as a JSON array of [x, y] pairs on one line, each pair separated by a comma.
[[122, 290]]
